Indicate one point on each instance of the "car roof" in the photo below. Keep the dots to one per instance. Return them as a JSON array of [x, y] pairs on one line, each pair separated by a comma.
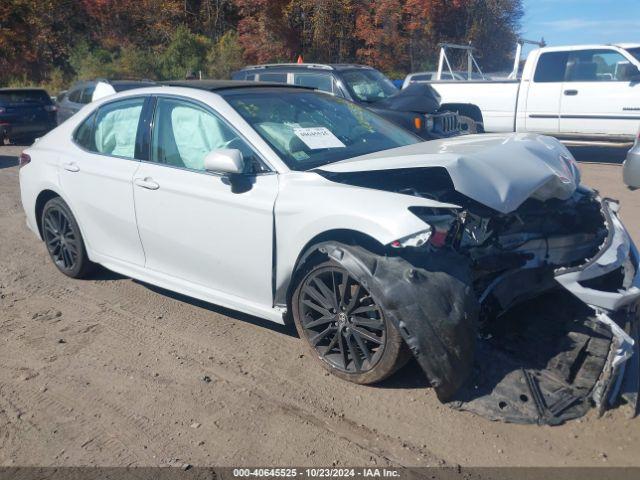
[[216, 85], [307, 66]]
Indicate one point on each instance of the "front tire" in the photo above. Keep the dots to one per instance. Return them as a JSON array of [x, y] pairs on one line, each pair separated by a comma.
[[344, 328], [63, 239]]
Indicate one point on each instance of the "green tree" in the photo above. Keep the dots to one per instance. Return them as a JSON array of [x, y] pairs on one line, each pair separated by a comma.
[[186, 54], [226, 56]]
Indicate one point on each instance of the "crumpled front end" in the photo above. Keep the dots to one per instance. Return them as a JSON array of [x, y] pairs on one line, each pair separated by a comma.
[[610, 284], [528, 316], [547, 354]]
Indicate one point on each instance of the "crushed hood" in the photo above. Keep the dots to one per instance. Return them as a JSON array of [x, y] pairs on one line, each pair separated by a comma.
[[500, 171], [417, 97]]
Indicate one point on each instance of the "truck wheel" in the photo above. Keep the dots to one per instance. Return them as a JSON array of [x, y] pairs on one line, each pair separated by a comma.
[[344, 328], [468, 125]]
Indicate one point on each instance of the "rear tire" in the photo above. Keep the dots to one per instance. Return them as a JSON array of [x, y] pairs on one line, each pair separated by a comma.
[[344, 328], [62, 237]]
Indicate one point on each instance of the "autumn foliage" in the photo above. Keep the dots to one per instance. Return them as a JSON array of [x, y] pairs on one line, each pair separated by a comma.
[[58, 40]]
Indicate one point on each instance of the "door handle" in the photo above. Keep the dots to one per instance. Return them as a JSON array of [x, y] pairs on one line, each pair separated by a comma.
[[571, 93], [147, 183], [71, 167]]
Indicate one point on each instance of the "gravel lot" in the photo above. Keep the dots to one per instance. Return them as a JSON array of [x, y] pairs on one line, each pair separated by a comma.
[[110, 371]]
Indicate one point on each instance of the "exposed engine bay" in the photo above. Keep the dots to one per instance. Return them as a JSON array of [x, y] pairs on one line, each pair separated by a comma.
[[482, 308]]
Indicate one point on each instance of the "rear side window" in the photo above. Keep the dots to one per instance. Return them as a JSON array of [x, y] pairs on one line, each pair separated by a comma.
[[551, 67], [87, 94], [112, 129], [315, 80], [74, 96], [273, 77], [24, 96]]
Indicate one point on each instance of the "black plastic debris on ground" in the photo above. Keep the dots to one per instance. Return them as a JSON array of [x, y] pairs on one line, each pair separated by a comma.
[[537, 363]]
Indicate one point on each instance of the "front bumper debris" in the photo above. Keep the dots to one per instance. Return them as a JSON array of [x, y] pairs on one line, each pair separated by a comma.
[[553, 358]]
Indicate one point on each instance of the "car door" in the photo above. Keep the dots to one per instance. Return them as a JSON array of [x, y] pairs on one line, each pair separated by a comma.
[[544, 91], [96, 177], [211, 230], [598, 96]]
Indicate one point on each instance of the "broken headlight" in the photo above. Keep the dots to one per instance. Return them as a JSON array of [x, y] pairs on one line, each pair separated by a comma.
[[414, 240], [439, 222]]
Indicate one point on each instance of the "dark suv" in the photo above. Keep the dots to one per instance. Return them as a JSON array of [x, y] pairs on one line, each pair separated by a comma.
[[416, 108], [25, 114]]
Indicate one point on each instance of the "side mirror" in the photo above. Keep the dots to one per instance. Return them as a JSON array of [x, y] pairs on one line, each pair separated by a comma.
[[224, 160]]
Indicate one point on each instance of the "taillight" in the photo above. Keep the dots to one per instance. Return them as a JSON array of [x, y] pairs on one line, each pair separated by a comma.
[[24, 159], [50, 108]]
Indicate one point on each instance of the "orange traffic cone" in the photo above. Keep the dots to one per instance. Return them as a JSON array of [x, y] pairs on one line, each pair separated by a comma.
[[300, 60]]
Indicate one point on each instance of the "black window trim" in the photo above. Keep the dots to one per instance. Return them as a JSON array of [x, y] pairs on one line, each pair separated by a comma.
[[270, 169], [95, 111]]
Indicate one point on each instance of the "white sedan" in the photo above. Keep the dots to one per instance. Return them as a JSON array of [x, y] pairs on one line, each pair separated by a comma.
[[287, 203]]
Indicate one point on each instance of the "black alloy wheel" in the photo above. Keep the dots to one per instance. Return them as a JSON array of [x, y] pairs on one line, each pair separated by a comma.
[[345, 326], [63, 239]]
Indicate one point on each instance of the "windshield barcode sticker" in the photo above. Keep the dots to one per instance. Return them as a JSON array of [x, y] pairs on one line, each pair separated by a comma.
[[318, 137]]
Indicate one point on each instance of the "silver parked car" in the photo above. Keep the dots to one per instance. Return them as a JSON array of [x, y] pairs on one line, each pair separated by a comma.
[[631, 168]]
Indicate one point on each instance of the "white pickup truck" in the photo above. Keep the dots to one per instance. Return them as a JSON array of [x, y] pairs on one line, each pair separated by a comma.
[[588, 92]]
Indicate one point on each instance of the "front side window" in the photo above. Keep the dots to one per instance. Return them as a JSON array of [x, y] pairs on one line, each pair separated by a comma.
[[368, 85], [551, 67], [308, 129], [597, 66], [112, 129], [184, 133]]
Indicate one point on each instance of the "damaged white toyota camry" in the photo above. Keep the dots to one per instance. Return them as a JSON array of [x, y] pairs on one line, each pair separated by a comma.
[[513, 286]]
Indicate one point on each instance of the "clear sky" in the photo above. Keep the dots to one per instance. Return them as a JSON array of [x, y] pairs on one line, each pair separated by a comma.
[[568, 22]]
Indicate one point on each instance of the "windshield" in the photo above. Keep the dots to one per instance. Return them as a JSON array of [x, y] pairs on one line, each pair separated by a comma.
[[309, 129], [24, 96], [368, 85], [635, 52]]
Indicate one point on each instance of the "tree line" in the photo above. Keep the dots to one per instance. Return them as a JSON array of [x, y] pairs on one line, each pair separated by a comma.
[[53, 42]]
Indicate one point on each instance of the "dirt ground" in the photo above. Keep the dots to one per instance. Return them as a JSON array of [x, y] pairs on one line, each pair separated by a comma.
[[110, 371]]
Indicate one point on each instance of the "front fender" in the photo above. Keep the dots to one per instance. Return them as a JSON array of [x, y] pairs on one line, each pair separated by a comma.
[[309, 205]]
